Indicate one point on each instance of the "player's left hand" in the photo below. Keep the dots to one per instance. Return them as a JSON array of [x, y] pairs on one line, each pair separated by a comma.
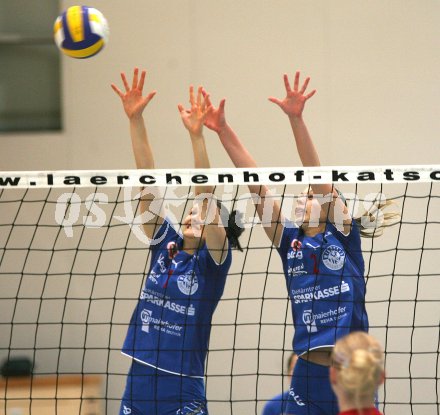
[[215, 118]]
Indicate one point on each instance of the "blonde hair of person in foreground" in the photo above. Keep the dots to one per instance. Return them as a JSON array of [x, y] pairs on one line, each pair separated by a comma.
[[357, 371]]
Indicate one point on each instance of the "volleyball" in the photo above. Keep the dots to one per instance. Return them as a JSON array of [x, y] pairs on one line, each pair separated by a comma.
[[81, 32]]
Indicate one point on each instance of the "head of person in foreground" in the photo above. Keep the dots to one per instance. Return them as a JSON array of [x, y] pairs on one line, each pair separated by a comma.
[[357, 371]]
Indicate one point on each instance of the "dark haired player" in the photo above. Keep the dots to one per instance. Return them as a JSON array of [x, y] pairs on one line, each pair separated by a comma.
[[169, 331]]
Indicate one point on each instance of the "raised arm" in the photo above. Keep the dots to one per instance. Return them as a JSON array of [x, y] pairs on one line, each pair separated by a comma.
[[193, 120], [267, 207], [293, 106], [134, 104]]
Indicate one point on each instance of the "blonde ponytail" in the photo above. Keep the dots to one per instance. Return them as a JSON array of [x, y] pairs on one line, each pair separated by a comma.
[[359, 360], [380, 215]]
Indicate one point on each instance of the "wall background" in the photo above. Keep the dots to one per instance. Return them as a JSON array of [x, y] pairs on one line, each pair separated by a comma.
[[376, 68]]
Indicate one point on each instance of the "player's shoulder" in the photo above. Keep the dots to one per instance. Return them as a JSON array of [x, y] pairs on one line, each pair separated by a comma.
[[166, 233], [205, 255]]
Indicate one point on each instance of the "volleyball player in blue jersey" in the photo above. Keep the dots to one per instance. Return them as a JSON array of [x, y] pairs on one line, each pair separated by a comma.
[[169, 331], [321, 256]]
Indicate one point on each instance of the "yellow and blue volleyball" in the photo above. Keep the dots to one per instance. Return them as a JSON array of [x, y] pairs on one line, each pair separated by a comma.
[[81, 32]]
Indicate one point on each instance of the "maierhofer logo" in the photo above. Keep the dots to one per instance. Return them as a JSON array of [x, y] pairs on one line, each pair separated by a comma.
[[309, 321], [146, 317], [188, 283], [305, 295], [333, 257], [149, 322], [330, 315], [326, 317]]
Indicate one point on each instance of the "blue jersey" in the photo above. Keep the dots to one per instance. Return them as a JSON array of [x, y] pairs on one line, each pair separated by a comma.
[[171, 324], [325, 280], [277, 405]]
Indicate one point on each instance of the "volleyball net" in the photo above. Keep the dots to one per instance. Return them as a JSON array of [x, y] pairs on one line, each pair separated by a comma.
[[74, 259]]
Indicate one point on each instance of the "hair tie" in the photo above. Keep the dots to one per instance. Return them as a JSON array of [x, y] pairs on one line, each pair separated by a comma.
[[233, 225]]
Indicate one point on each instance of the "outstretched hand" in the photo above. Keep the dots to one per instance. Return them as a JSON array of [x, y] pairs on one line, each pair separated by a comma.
[[132, 100], [194, 118], [294, 102], [215, 118]]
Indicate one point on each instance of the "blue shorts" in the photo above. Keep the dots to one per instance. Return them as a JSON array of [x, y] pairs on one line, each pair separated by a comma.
[[150, 391], [310, 391]]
